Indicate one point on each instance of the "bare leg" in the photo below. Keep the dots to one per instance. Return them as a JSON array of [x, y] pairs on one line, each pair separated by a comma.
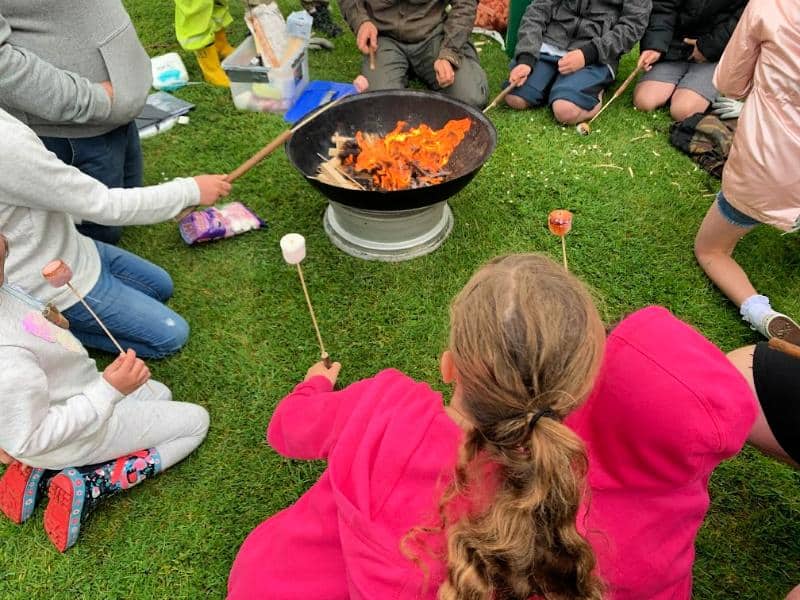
[[571, 114], [650, 95], [761, 435], [685, 103], [713, 247]]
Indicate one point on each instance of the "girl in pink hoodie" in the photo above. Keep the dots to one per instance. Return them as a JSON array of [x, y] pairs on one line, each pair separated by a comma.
[[485, 498]]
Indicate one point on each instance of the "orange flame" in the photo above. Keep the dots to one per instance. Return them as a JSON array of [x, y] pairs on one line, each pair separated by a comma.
[[408, 158]]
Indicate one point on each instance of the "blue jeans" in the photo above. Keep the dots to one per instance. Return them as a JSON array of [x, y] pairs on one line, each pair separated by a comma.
[[129, 297], [733, 215], [114, 158]]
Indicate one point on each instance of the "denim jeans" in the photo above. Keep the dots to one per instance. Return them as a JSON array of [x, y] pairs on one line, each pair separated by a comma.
[[114, 158], [128, 297]]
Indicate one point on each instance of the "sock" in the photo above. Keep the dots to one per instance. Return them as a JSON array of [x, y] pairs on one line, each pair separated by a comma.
[[754, 310]]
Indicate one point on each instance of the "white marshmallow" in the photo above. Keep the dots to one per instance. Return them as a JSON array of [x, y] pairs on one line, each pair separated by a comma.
[[293, 247]]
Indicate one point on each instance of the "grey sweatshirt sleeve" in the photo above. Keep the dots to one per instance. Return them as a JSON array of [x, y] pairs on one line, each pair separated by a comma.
[[42, 181], [32, 85], [623, 36], [29, 425], [531, 31], [354, 13]]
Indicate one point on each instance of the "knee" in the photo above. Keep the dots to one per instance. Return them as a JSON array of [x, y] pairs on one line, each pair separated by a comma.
[[201, 419], [517, 102], [567, 112], [162, 285], [175, 334], [646, 101], [682, 109]]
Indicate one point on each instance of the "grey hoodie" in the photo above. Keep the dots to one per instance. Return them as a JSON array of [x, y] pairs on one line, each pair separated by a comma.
[[54, 54], [603, 30]]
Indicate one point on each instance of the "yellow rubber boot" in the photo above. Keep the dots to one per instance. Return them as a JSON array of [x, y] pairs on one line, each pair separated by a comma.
[[222, 44], [208, 59]]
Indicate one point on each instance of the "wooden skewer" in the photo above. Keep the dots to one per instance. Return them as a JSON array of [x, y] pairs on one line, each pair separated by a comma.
[[265, 151], [785, 347], [619, 91], [564, 251], [499, 98], [102, 325], [371, 58], [326, 359]]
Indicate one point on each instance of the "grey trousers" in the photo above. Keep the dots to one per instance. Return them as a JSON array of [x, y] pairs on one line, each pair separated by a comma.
[[395, 60], [148, 418]]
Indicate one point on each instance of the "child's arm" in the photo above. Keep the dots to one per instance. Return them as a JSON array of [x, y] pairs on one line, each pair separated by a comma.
[[621, 37], [307, 422], [734, 75], [531, 31], [713, 44], [29, 425], [32, 85], [42, 181]]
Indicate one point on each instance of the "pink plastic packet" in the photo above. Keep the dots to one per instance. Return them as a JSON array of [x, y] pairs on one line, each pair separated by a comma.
[[218, 222]]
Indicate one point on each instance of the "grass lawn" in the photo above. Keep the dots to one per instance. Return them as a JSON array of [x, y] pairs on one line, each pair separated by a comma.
[[251, 337]]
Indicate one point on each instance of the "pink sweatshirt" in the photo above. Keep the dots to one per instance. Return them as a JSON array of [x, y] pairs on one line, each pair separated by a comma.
[[667, 409]]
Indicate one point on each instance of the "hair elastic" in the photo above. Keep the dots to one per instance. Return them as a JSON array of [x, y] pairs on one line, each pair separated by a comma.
[[533, 418]]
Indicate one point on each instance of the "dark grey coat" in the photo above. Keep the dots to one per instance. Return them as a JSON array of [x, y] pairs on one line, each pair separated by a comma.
[[603, 30]]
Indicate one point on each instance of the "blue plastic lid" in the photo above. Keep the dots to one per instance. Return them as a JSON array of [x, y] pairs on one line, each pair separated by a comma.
[[315, 94]]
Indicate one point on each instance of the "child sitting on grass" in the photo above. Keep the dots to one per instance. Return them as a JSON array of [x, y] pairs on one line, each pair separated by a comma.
[[40, 195], [760, 182], [486, 498], [567, 53], [75, 433]]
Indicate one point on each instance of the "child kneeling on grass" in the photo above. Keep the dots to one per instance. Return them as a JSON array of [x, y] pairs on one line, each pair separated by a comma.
[[75, 433], [760, 182], [486, 498], [40, 195], [567, 53]]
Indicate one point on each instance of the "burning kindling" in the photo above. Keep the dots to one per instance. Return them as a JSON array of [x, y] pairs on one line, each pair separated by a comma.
[[405, 158]]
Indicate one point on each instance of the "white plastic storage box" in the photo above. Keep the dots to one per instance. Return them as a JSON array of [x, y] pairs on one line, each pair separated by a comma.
[[265, 88]]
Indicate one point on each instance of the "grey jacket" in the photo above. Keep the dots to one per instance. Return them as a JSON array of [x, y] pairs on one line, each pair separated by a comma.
[[603, 30], [54, 54]]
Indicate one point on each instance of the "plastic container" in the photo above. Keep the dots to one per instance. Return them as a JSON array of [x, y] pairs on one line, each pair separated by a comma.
[[299, 25], [169, 72], [264, 88]]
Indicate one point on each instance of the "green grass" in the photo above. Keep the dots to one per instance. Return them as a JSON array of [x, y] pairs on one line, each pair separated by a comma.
[[251, 338]]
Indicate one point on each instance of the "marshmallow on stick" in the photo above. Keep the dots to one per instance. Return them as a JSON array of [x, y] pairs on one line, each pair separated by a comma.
[[59, 274], [293, 248], [560, 222]]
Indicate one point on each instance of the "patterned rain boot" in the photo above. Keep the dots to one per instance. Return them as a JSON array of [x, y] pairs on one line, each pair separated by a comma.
[[208, 59], [20, 490], [223, 46], [76, 492], [323, 22]]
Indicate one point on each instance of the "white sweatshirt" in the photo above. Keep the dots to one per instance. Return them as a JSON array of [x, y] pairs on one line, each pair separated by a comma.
[[52, 397], [38, 193]]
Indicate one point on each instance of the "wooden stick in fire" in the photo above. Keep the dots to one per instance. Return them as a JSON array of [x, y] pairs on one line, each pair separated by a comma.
[[585, 127], [293, 248], [499, 98], [267, 150], [58, 273], [786, 347]]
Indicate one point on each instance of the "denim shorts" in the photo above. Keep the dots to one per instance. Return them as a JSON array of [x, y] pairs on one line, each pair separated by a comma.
[[733, 215]]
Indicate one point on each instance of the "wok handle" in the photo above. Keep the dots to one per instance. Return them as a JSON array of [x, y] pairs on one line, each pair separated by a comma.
[[259, 156]]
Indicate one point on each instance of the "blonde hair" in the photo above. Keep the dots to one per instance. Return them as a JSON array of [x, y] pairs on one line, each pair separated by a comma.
[[527, 343]]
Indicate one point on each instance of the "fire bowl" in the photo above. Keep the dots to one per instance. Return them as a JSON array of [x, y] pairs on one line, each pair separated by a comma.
[[378, 112]]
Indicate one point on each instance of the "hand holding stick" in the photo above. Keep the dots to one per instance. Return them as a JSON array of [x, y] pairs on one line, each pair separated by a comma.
[[293, 248]]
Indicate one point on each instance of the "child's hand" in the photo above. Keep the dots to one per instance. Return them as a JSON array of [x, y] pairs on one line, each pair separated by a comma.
[[696, 55], [212, 188], [519, 74], [320, 369], [445, 75], [648, 58], [572, 61], [367, 37], [5, 457], [361, 84], [127, 373]]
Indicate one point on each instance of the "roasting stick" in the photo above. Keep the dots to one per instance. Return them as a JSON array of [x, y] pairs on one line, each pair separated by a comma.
[[786, 347], [499, 98], [58, 273], [559, 222], [585, 127], [265, 151], [293, 248], [371, 58]]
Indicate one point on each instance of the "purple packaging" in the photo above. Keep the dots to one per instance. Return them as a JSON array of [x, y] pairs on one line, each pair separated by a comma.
[[218, 222]]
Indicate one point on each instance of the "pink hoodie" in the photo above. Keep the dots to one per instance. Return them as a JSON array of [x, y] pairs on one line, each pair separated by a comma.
[[668, 407]]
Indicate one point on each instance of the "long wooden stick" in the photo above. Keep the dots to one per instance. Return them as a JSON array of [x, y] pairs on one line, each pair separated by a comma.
[[326, 359], [785, 347], [103, 325], [371, 58], [619, 91], [564, 251], [499, 98]]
